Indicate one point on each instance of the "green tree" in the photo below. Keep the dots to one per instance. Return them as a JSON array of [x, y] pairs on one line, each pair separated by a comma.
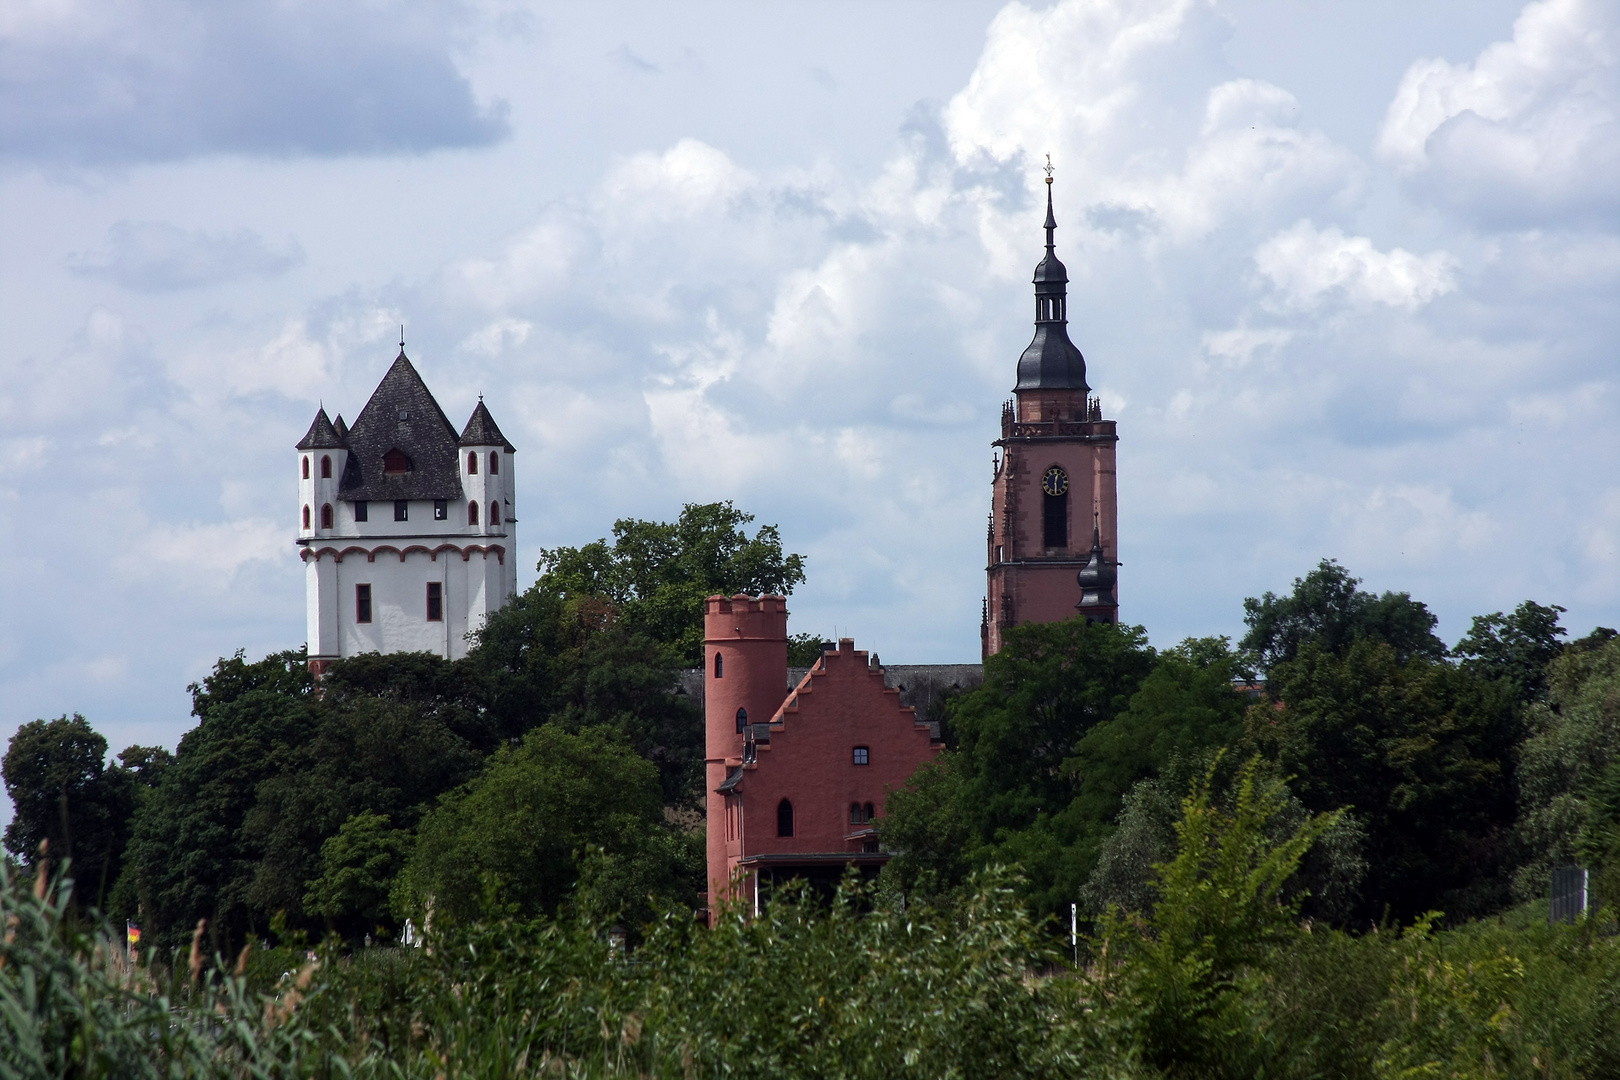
[[521, 835], [1419, 750], [1328, 609], [56, 774], [1003, 793], [188, 857], [1515, 648], [358, 867], [657, 574]]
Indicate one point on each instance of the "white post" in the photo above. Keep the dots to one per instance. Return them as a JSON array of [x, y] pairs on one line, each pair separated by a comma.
[[1074, 931]]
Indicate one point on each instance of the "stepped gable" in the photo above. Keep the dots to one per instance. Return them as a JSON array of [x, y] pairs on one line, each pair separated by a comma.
[[322, 435], [481, 430], [402, 415]]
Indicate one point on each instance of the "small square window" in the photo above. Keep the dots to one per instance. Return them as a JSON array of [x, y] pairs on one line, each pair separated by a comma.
[[863, 756], [435, 602], [362, 603], [361, 509], [402, 510], [441, 509]]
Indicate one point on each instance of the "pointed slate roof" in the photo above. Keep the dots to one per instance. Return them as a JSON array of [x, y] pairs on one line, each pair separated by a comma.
[[403, 416], [481, 430], [1051, 362], [322, 435]]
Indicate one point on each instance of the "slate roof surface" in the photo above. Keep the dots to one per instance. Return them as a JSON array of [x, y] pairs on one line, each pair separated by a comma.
[[1051, 361], [321, 435], [481, 430], [403, 416]]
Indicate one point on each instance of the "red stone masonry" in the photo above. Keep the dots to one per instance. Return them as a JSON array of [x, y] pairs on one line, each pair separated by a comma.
[[803, 750]]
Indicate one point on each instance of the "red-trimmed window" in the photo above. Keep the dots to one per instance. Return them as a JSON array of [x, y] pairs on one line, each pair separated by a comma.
[[494, 513], [306, 467], [306, 517], [326, 516], [494, 462], [362, 603], [472, 464], [472, 513], [326, 466]]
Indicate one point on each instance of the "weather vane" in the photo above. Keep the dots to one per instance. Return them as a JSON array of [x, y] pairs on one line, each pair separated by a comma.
[[402, 325], [1047, 168]]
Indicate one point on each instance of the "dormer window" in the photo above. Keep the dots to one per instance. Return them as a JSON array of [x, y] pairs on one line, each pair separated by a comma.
[[395, 463]]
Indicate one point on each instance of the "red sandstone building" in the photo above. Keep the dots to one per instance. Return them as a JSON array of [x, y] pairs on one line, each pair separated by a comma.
[[798, 772]]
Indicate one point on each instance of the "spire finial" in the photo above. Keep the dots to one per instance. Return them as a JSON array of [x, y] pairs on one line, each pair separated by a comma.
[[1051, 221]]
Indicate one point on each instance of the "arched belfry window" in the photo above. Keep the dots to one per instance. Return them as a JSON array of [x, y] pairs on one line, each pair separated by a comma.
[[719, 666], [472, 463], [742, 720], [326, 466], [472, 513], [306, 468], [326, 516], [494, 462], [784, 818], [1055, 508], [306, 517]]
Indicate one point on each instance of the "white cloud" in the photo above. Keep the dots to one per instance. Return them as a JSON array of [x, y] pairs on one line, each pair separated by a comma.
[[155, 256], [1306, 264], [1238, 345], [1527, 131], [206, 556]]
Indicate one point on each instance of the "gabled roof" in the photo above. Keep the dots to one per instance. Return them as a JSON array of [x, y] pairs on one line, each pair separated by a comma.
[[481, 430], [321, 435], [403, 416]]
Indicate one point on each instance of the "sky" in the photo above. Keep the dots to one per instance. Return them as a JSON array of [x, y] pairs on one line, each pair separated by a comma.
[[1346, 275]]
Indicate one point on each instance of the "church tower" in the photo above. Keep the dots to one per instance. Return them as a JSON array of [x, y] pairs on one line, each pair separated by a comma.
[[1053, 538]]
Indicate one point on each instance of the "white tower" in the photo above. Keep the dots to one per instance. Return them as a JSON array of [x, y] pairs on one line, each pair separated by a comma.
[[408, 531]]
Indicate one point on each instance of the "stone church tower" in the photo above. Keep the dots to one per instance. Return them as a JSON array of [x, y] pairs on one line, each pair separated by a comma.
[[1053, 539], [408, 530]]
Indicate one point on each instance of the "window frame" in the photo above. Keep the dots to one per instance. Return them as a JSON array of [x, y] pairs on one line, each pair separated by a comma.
[[441, 509], [742, 719], [402, 509], [785, 825], [861, 755], [719, 664], [306, 466], [306, 517], [328, 515], [472, 463], [362, 602], [494, 513], [362, 510], [472, 513], [494, 463], [326, 466], [435, 601]]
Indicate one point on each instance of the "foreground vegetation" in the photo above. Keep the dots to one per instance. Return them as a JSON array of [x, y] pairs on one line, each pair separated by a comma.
[[1220, 979]]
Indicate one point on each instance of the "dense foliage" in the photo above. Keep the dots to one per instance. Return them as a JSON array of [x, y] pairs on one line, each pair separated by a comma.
[[1219, 980]]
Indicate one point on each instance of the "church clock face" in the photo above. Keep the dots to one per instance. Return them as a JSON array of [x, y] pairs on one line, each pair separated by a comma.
[[1055, 482]]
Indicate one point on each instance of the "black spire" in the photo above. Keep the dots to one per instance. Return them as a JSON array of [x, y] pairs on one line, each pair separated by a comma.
[[1051, 362], [1096, 580]]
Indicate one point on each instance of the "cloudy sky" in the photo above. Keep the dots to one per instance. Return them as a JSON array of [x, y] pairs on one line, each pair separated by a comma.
[[1347, 275]]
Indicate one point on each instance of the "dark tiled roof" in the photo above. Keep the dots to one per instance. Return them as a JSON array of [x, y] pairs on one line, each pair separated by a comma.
[[734, 777], [342, 428], [321, 435], [481, 430], [403, 416]]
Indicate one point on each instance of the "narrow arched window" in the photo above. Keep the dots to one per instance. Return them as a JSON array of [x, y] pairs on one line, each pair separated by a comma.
[[494, 462], [855, 817], [306, 468], [494, 513], [784, 818], [326, 466], [472, 513], [719, 666], [306, 517], [326, 516], [472, 463], [742, 720], [871, 813]]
